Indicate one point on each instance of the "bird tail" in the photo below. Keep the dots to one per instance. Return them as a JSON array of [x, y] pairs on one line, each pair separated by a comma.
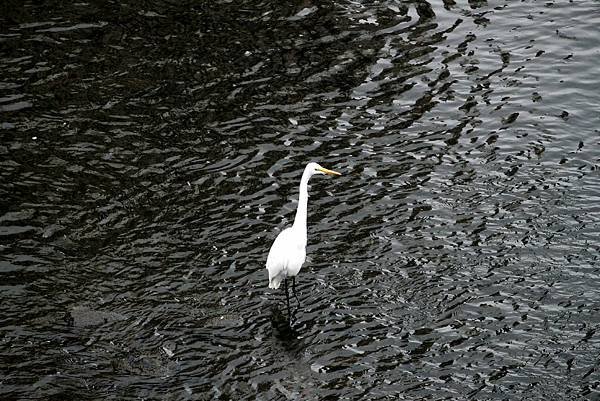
[[275, 282]]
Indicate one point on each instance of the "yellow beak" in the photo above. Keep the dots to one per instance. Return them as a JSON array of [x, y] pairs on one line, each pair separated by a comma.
[[330, 172]]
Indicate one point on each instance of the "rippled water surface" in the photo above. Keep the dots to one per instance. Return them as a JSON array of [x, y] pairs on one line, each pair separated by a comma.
[[150, 153]]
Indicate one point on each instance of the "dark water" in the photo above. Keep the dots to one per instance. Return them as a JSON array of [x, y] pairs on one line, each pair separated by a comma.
[[151, 151]]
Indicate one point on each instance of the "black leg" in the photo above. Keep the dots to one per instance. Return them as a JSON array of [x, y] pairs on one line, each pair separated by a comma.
[[294, 290], [287, 295]]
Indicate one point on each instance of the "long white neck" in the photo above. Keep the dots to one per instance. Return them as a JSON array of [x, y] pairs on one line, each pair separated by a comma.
[[300, 219]]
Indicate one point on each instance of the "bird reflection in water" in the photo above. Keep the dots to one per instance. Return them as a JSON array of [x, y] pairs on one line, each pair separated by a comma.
[[282, 325]]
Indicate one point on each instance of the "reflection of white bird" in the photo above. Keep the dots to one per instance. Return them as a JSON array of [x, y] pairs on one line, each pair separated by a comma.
[[288, 252]]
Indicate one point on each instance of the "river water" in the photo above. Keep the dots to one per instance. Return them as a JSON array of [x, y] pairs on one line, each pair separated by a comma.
[[151, 151]]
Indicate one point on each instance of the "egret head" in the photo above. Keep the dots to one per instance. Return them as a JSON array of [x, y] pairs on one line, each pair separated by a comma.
[[314, 168]]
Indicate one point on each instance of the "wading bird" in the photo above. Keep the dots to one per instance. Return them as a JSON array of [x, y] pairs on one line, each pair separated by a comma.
[[288, 252]]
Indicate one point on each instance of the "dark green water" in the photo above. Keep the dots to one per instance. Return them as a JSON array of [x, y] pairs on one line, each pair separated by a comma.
[[151, 151]]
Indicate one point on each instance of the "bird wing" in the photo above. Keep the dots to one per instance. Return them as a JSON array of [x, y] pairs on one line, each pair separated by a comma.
[[278, 251], [277, 261]]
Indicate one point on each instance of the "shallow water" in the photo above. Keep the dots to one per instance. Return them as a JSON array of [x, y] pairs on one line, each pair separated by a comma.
[[151, 152]]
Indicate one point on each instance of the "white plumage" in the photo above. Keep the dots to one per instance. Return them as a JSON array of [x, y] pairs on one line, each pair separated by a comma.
[[286, 256]]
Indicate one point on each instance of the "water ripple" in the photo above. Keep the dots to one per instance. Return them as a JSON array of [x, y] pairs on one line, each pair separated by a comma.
[[150, 156]]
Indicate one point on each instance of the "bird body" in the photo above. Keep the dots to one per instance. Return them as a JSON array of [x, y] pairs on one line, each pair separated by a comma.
[[288, 252], [287, 255]]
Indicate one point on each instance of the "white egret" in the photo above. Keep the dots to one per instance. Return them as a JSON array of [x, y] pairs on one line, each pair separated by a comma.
[[288, 252]]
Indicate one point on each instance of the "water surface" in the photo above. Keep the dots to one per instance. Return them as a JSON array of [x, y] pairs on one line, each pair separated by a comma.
[[151, 152]]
